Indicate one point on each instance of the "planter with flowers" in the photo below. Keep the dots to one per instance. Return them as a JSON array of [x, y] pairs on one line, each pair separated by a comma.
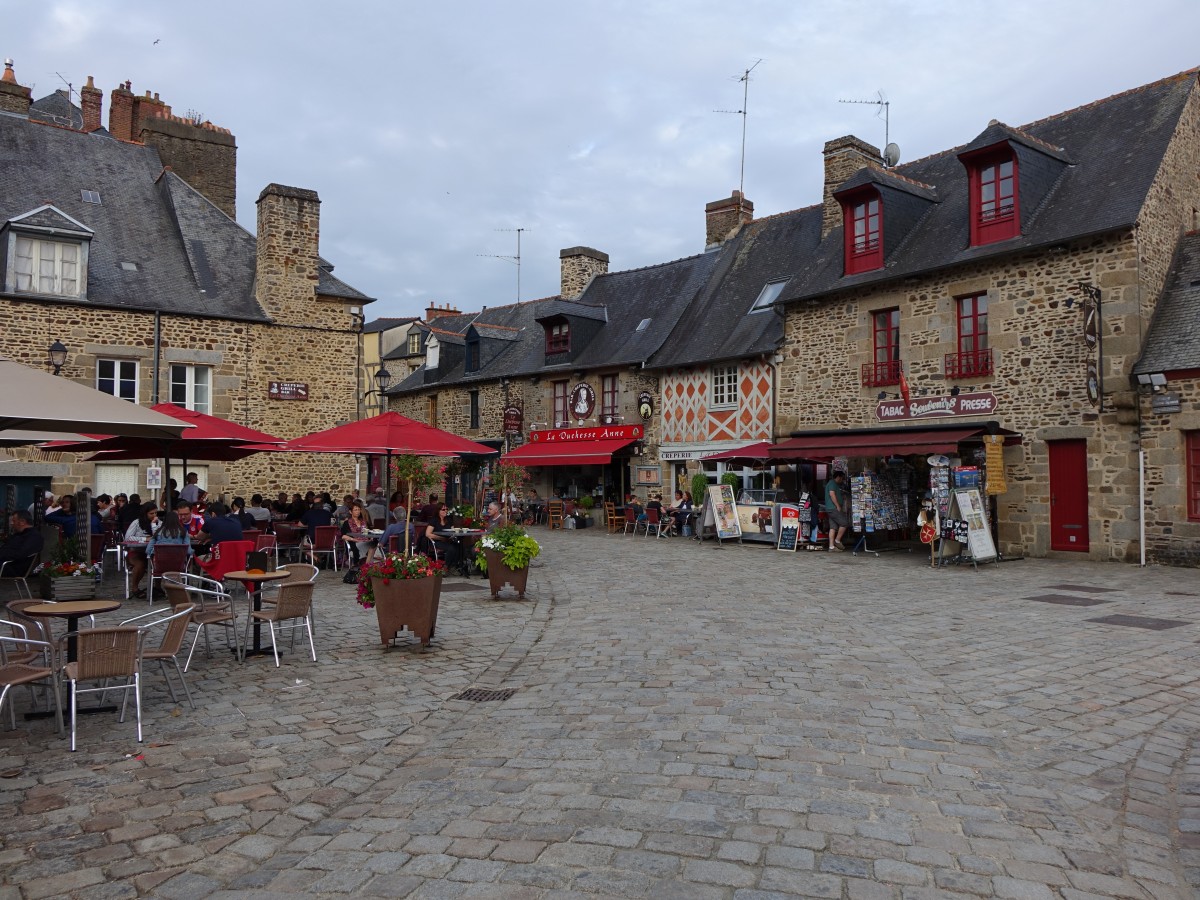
[[504, 554], [64, 577], [404, 591]]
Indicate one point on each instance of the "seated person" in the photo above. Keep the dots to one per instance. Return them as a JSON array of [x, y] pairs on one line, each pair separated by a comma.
[[377, 510], [193, 524], [396, 529], [316, 514], [342, 513], [64, 515], [447, 549], [495, 516], [237, 510], [258, 512], [429, 512], [632, 502], [280, 505], [170, 531], [23, 541], [141, 530], [354, 531], [220, 526]]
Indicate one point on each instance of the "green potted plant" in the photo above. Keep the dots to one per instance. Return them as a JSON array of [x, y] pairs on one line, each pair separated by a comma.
[[420, 474], [404, 592], [587, 503], [466, 514], [504, 554], [65, 577]]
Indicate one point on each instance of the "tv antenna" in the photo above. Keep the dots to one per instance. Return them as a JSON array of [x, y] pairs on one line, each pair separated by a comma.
[[883, 106], [744, 78], [512, 259]]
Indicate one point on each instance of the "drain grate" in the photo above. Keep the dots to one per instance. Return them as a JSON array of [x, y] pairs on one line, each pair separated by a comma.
[[1140, 622], [480, 695], [1066, 600], [1086, 588]]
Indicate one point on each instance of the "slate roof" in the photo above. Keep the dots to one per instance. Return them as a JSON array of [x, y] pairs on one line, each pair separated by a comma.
[[1109, 152], [189, 258], [57, 109], [385, 324], [1173, 340]]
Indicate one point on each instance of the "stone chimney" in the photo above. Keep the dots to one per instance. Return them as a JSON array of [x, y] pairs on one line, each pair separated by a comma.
[[844, 157], [433, 311], [202, 154], [723, 218], [13, 97], [578, 266], [285, 269], [120, 112], [91, 98]]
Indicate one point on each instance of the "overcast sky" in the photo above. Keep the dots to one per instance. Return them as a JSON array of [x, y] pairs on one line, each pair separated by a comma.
[[430, 128]]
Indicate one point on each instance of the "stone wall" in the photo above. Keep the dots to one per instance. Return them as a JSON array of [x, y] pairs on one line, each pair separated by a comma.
[[244, 357], [1170, 537], [202, 155]]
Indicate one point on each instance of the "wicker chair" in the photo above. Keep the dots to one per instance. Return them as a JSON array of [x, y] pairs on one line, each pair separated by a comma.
[[25, 660], [176, 626], [292, 604], [102, 654], [212, 605]]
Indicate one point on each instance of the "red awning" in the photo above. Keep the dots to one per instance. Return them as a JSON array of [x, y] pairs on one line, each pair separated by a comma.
[[880, 442], [567, 453]]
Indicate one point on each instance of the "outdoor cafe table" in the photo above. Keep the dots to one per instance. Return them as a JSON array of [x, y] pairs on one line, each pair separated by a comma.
[[465, 538], [258, 579], [72, 611]]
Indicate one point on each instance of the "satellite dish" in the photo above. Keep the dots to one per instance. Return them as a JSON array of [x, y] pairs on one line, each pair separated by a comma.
[[891, 154]]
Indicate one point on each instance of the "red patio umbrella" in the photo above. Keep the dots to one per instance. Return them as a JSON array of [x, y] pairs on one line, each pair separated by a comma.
[[384, 435], [751, 454]]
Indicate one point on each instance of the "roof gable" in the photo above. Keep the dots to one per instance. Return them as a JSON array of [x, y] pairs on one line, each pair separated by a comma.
[[50, 218]]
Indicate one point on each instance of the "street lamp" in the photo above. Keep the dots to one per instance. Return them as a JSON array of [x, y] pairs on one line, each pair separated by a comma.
[[58, 356], [382, 379]]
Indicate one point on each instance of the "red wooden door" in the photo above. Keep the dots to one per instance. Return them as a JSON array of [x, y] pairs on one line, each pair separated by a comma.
[[1068, 495]]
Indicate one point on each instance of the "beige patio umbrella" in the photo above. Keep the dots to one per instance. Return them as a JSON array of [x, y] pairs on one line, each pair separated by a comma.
[[33, 400]]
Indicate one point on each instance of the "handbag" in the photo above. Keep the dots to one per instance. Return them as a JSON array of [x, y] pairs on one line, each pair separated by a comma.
[[351, 576]]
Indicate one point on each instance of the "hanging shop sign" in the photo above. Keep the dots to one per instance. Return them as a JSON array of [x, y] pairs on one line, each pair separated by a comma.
[[645, 405], [514, 419], [980, 403], [993, 446], [1093, 383], [583, 401], [600, 433], [287, 390], [1091, 330]]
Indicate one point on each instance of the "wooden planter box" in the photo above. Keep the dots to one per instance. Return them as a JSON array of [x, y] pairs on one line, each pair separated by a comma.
[[499, 574], [410, 603], [82, 587]]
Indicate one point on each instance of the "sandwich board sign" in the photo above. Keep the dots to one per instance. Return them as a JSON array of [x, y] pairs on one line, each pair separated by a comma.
[[789, 528]]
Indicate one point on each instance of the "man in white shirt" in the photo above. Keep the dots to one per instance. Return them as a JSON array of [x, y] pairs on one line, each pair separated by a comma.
[[191, 490]]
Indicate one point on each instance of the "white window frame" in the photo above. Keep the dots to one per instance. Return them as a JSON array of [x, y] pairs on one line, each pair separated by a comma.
[[43, 268], [189, 384], [413, 346], [117, 478], [118, 377], [723, 386]]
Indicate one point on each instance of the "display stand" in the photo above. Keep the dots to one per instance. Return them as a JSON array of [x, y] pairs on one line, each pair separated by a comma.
[[719, 512], [878, 503], [968, 519]]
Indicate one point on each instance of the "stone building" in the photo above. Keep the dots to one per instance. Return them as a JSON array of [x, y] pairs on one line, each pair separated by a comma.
[[1008, 286], [121, 244]]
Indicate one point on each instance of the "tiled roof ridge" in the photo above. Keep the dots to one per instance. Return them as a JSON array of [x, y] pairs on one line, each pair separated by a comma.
[[443, 331], [786, 212], [1058, 115], [499, 327], [913, 181], [659, 265], [506, 306]]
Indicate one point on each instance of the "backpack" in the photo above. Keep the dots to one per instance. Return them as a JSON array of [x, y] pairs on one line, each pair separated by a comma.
[[351, 576]]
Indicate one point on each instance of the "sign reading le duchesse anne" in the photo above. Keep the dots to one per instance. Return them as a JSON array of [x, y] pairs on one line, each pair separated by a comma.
[[981, 403], [601, 433]]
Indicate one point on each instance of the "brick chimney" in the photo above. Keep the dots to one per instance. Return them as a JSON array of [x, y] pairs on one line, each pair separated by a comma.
[[13, 97], [843, 157], [120, 112], [722, 218], [578, 266], [91, 98], [285, 269], [433, 311]]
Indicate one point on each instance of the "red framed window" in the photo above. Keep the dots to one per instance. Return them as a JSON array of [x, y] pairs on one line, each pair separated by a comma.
[[864, 232], [608, 395], [561, 412], [558, 337], [974, 357], [885, 367], [1193, 475], [993, 184]]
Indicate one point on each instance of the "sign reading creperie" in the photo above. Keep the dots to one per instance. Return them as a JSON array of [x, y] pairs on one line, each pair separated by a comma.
[[981, 403], [602, 433]]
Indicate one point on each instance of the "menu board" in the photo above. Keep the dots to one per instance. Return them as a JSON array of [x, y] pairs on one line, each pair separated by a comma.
[[723, 511], [972, 511], [789, 527]]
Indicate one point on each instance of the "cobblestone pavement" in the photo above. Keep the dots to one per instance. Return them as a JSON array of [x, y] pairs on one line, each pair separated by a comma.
[[688, 722]]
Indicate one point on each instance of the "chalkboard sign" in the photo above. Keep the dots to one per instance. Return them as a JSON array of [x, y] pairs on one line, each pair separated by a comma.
[[789, 528]]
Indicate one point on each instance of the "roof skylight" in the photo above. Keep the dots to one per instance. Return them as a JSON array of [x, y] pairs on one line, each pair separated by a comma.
[[643, 325], [769, 294], [90, 196]]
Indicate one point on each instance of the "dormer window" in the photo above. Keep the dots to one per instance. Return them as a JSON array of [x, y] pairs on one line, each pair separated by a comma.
[[863, 219], [472, 361], [414, 343], [432, 353], [993, 185], [46, 267], [558, 336]]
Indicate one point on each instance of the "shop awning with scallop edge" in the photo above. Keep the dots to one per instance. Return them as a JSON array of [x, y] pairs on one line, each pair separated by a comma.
[[572, 453], [882, 442]]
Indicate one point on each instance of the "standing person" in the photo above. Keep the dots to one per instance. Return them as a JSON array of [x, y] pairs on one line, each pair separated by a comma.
[[837, 508], [191, 489]]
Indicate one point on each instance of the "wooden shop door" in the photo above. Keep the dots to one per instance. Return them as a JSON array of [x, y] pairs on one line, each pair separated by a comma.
[[1068, 495]]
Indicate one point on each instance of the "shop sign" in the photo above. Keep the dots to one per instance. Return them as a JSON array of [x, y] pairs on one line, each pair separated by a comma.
[[287, 390], [645, 405], [600, 433], [1170, 402], [980, 403], [1093, 383], [583, 401], [679, 455], [514, 419]]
